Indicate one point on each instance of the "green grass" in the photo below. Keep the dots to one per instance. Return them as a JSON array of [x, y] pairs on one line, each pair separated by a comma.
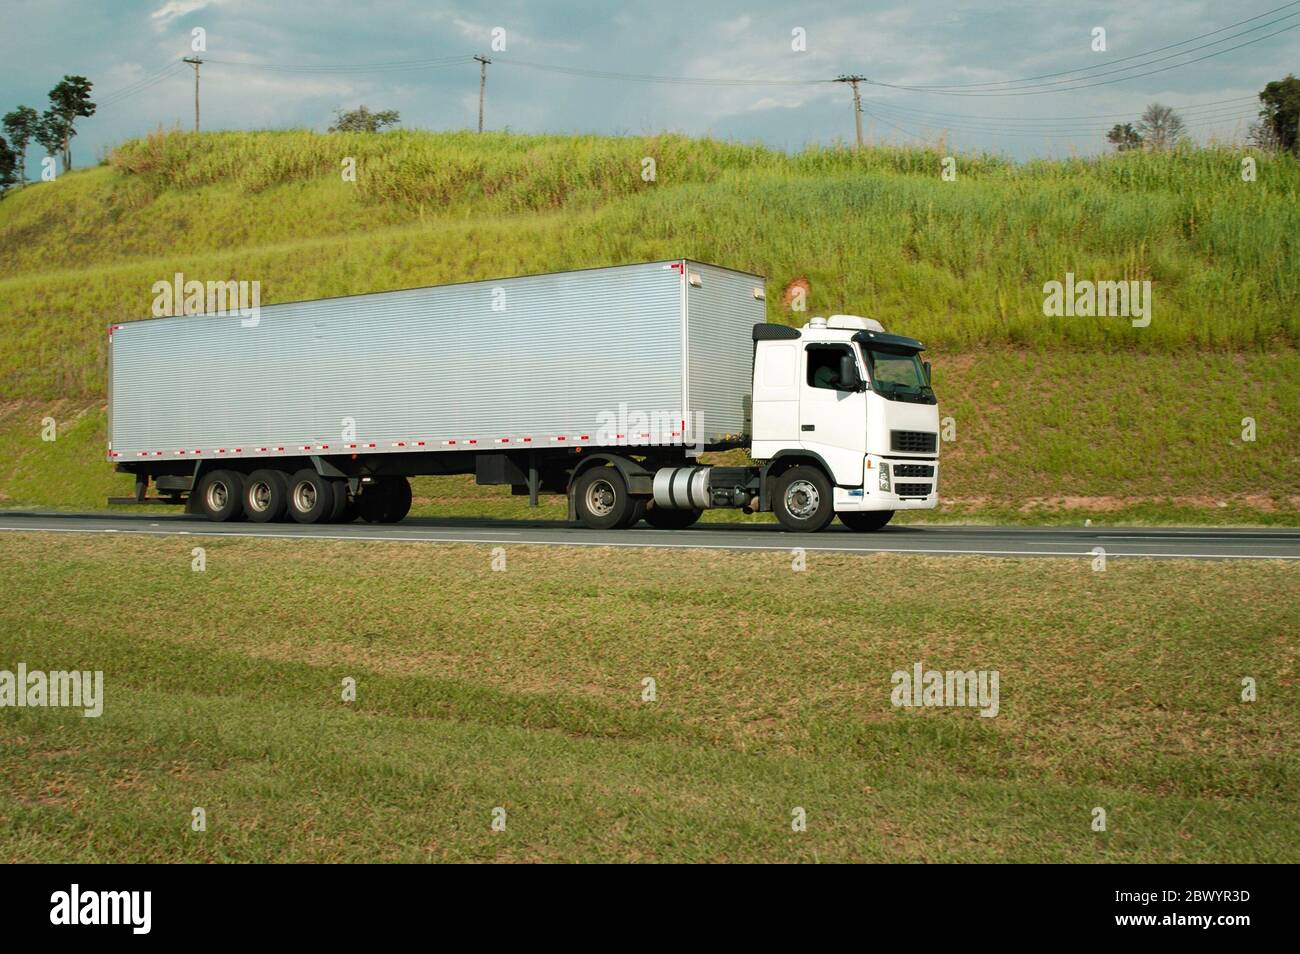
[[522, 689]]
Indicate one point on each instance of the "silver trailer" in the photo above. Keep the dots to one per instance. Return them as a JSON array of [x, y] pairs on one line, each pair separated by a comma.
[[523, 381]]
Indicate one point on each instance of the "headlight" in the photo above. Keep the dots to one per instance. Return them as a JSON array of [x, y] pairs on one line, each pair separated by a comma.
[[884, 477]]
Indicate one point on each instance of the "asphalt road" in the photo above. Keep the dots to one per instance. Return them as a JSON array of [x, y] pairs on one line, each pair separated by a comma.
[[1189, 543]]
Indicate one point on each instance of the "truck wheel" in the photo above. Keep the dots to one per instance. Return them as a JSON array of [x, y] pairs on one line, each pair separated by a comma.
[[662, 518], [266, 495], [397, 500], [804, 500], [311, 497], [221, 495], [384, 500], [600, 496], [863, 521]]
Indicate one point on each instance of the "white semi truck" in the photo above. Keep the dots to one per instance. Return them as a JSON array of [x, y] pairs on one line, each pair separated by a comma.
[[606, 385]]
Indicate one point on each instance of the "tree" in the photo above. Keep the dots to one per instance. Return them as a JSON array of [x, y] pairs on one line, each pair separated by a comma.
[[52, 134], [1262, 136], [362, 119], [68, 100], [21, 125], [1124, 137], [8, 166], [1160, 127], [1281, 112]]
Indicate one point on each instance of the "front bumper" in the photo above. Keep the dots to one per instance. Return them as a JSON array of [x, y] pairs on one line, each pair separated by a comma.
[[913, 485]]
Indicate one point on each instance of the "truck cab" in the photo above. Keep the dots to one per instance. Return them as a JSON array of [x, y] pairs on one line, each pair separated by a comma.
[[842, 397]]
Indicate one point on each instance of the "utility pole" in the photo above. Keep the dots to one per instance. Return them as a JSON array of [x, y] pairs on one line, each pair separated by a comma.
[[857, 101], [483, 62], [195, 62]]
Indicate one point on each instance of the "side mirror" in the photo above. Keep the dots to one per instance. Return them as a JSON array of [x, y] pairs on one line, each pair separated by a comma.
[[926, 365], [850, 380]]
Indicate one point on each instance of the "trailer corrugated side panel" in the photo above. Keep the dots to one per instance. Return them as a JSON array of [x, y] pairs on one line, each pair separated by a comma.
[[720, 316], [561, 355]]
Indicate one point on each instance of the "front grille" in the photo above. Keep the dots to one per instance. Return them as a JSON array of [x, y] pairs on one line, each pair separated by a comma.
[[914, 442], [913, 470], [912, 490]]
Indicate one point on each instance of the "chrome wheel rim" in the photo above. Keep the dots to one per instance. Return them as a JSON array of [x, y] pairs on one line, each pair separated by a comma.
[[259, 496], [802, 499], [218, 495], [304, 497], [600, 498]]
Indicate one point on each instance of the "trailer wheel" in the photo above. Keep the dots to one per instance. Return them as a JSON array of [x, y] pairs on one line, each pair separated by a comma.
[[311, 497], [221, 495], [385, 500], [601, 499], [864, 521], [397, 502], [662, 518], [266, 495], [803, 500]]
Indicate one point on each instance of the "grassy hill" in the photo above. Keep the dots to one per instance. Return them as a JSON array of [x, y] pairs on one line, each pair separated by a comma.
[[1057, 416]]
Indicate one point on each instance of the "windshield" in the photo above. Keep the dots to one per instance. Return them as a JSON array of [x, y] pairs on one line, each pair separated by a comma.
[[898, 377]]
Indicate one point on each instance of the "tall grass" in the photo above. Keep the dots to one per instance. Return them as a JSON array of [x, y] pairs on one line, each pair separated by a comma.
[[961, 264]]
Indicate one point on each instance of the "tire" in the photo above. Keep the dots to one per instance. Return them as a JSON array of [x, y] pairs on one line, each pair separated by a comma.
[[370, 502], [312, 498], [221, 495], [864, 521], [803, 501], [601, 499], [351, 511], [662, 518], [340, 500], [397, 500], [384, 500], [266, 495]]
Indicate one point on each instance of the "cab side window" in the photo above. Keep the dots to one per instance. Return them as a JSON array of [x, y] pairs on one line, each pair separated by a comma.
[[824, 366]]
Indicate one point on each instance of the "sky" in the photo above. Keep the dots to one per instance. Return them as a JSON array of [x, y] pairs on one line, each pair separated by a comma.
[[324, 55]]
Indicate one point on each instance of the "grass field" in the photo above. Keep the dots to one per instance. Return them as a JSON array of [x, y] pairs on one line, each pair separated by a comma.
[[1057, 419], [522, 689]]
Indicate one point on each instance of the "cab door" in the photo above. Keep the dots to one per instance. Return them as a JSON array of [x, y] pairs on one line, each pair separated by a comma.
[[832, 420]]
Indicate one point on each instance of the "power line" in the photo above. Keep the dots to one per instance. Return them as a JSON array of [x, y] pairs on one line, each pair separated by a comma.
[[140, 85], [1064, 89], [381, 67], [1123, 59], [1241, 100], [118, 96], [1063, 126]]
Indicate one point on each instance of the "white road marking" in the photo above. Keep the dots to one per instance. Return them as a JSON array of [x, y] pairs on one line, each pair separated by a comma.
[[831, 548]]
